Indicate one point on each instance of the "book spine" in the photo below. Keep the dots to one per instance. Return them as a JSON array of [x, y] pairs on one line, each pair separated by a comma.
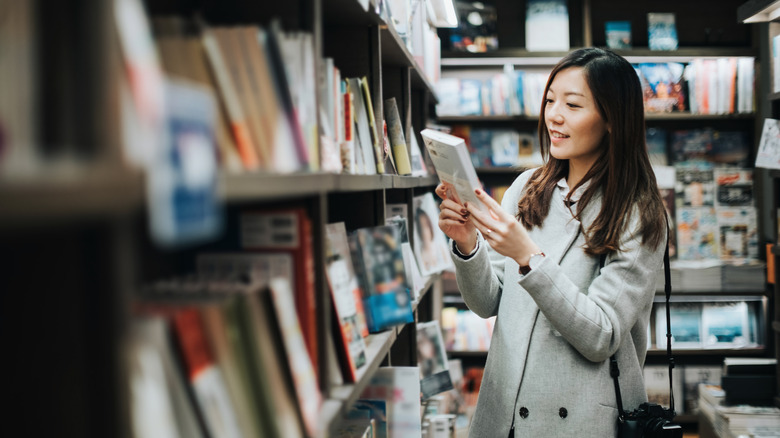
[[397, 139]]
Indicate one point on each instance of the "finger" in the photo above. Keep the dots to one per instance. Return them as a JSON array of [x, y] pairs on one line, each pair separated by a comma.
[[441, 191], [494, 207], [452, 215], [449, 204]]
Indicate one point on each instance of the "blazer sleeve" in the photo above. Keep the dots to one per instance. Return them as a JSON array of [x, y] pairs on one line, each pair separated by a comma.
[[481, 277], [620, 296]]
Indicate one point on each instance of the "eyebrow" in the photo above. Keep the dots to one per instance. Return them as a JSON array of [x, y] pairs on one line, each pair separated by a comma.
[[569, 93]]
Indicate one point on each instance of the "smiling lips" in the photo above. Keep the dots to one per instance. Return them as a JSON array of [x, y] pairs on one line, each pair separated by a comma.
[[557, 135]]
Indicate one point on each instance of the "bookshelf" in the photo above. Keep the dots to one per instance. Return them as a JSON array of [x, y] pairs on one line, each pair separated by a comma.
[[74, 220]]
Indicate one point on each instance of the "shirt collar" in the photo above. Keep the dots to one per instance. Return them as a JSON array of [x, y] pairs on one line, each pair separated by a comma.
[[563, 186]]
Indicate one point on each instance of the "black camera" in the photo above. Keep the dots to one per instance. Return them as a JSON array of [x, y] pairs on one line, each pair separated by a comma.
[[649, 420]]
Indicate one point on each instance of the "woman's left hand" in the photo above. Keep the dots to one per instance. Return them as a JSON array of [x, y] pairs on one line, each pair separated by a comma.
[[504, 233]]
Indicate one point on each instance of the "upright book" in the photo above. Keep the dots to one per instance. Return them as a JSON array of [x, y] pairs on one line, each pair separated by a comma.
[[453, 164]]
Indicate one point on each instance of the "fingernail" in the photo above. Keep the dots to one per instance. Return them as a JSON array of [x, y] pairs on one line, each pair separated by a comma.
[[478, 191], [464, 211], [466, 204]]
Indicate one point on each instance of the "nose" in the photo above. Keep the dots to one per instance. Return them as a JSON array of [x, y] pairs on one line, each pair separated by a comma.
[[552, 113]]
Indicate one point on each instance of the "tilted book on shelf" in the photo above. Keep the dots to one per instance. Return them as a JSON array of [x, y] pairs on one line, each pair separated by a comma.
[[430, 244], [378, 259], [397, 137], [158, 400], [768, 155], [364, 141], [288, 231], [347, 299], [432, 359], [205, 377]]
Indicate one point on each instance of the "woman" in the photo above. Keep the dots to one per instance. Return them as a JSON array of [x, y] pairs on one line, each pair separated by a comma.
[[534, 260]]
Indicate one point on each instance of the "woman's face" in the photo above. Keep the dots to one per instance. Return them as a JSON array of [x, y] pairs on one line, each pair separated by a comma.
[[573, 121]]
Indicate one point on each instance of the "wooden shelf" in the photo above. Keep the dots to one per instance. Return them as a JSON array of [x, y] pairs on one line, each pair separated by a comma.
[[753, 351], [266, 186], [76, 194], [757, 11], [524, 58], [649, 116], [466, 353]]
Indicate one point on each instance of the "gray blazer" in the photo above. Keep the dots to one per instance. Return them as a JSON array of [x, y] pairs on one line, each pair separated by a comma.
[[547, 370]]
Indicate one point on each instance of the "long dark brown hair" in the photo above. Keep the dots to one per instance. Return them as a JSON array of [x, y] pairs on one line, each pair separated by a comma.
[[622, 171]]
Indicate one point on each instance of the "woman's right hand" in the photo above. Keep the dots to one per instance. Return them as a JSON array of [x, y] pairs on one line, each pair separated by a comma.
[[454, 221]]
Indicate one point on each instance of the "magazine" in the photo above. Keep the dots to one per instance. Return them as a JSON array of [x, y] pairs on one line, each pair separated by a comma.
[[453, 164]]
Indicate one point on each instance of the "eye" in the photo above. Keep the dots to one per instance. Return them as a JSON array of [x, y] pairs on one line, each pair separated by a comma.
[[572, 105], [548, 100]]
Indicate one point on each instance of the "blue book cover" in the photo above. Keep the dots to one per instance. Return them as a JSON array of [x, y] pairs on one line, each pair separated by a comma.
[[378, 259], [661, 31], [471, 97], [618, 34]]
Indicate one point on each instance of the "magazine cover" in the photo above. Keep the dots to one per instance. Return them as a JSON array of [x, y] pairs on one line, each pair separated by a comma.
[[430, 243], [377, 256], [547, 25], [727, 325], [693, 144], [663, 87], [661, 31], [695, 186], [738, 232], [477, 29], [432, 359], [685, 319], [768, 155], [347, 299], [697, 234], [734, 187], [618, 34]]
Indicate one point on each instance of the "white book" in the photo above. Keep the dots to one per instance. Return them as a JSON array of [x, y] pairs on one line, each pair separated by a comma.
[[546, 25], [768, 155], [726, 325], [453, 164], [363, 142]]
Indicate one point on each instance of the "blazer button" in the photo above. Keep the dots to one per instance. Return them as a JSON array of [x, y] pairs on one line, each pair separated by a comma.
[[523, 412], [563, 412]]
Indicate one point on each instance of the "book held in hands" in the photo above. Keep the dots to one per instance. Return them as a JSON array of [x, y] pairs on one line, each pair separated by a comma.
[[453, 164]]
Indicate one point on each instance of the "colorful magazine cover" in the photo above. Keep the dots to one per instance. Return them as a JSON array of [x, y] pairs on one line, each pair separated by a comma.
[[432, 359], [377, 256]]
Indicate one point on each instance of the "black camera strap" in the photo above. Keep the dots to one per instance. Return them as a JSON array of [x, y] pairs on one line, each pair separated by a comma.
[[613, 366]]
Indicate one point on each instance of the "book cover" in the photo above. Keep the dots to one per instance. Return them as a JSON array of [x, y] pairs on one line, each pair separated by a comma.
[[347, 300], [685, 320], [377, 256], [288, 231], [183, 203], [731, 148], [376, 136], [546, 25], [618, 34], [661, 31], [738, 234], [411, 267], [398, 389], [158, 400], [430, 243], [663, 84], [693, 376], [697, 233], [298, 361], [656, 146], [768, 155], [364, 141], [432, 359], [204, 376], [477, 30], [657, 385], [453, 165], [727, 325], [734, 187], [693, 144], [217, 329], [695, 186], [395, 132]]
